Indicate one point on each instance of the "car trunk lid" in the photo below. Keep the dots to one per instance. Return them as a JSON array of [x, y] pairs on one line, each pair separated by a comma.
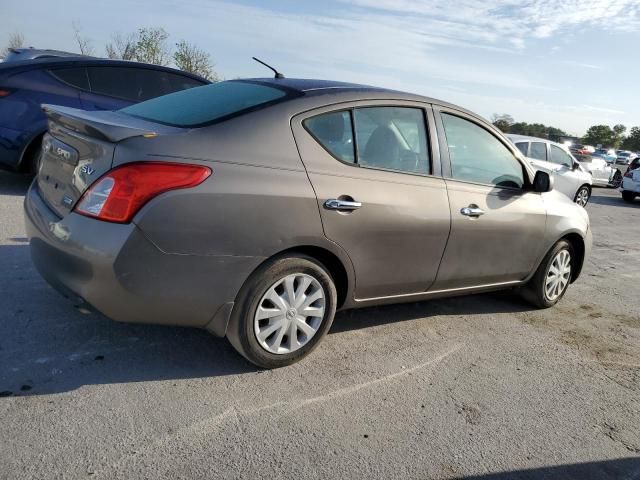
[[79, 148]]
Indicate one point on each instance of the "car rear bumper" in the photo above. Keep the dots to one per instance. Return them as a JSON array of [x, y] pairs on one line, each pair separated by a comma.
[[12, 143], [119, 272], [629, 185]]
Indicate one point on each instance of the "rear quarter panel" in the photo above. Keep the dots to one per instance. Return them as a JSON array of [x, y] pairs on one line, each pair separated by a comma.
[[257, 202]]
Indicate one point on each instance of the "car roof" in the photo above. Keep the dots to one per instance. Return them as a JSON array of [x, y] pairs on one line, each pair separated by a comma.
[[30, 52], [310, 88], [525, 138], [41, 63]]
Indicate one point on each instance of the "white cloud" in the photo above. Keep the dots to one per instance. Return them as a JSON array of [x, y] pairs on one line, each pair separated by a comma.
[[513, 21]]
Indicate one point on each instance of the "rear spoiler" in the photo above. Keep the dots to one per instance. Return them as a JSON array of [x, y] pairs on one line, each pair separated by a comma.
[[112, 126]]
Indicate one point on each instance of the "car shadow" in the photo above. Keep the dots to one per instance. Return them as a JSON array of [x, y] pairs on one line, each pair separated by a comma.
[[602, 470], [486, 303], [48, 345], [616, 201], [12, 183]]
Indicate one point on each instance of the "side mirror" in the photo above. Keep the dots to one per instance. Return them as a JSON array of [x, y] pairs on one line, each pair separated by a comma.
[[542, 182], [575, 166]]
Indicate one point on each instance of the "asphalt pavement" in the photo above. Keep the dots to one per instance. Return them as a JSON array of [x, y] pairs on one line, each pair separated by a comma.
[[481, 386]]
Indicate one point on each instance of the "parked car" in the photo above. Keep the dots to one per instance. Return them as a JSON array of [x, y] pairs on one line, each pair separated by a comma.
[[90, 84], [630, 188], [635, 163], [256, 208], [579, 149], [624, 157], [554, 158], [607, 154], [20, 54], [602, 173]]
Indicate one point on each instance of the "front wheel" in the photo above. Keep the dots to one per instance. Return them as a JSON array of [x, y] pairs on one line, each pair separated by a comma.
[[582, 195], [628, 196], [283, 311], [551, 280]]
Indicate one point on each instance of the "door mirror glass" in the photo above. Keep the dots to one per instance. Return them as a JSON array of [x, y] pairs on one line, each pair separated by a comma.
[[542, 182]]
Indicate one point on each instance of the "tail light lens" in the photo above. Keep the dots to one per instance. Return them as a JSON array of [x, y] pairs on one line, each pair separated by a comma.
[[4, 92], [120, 193]]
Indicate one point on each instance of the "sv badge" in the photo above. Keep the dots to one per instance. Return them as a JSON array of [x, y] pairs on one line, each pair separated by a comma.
[[87, 170]]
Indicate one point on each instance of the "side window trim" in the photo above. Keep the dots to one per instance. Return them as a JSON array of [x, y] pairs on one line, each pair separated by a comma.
[[438, 110], [428, 118]]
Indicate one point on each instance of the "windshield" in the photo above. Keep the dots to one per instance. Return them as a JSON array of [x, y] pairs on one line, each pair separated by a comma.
[[207, 104]]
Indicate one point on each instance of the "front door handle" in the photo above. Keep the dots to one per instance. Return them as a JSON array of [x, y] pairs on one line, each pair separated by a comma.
[[344, 205], [472, 211]]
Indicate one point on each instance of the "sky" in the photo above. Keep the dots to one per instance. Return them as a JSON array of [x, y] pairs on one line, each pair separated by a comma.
[[569, 64]]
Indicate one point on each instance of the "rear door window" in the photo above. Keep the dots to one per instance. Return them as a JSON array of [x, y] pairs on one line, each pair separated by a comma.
[[137, 84], [538, 151], [76, 77], [523, 147], [392, 138], [115, 82]]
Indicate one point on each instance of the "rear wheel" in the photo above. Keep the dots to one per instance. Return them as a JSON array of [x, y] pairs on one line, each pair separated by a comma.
[[617, 179], [582, 195], [628, 196], [283, 311], [551, 280], [31, 161]]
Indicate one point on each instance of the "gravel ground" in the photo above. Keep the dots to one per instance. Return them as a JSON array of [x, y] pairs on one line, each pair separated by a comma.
[[480, 386]]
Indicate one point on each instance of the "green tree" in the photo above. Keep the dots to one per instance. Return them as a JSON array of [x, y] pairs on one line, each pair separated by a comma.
[[502, 121], [151, 46], [192, 59], [618, 131], [632, 142], [600, 135], [535, 130], [122, 47]]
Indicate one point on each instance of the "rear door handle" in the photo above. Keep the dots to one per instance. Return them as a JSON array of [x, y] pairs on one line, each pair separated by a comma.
[[344, 205], [472, 211]]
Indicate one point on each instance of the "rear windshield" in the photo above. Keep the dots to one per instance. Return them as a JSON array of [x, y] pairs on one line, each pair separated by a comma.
[[207, 104]]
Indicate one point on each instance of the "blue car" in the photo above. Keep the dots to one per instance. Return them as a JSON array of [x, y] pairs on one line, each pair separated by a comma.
[[88, 84]]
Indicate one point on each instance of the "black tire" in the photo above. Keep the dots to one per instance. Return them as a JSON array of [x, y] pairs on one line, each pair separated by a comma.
[[534, 291], [30, 163], [240, 331], [628, 196], [587, 190], [616, 181]]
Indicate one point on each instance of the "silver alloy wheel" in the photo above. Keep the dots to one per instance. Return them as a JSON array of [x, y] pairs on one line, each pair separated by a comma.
[[289, 313], [558, 275], [582, 197]]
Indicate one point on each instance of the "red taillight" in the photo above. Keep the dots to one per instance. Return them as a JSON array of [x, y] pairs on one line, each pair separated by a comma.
[[119, 194], [4, 92]]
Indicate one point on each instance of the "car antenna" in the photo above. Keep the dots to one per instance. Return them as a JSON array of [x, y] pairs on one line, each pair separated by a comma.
[[277, 73]]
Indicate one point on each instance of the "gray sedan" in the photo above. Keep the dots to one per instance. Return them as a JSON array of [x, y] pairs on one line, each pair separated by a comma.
[[256, 208]]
